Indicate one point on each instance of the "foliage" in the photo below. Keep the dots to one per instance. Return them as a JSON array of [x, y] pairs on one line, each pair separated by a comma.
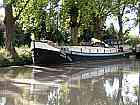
[[24, 57], [111, 35], [22, 39], [91, 14], [56, 16], [133, 41], [124, 7], [30, 17]]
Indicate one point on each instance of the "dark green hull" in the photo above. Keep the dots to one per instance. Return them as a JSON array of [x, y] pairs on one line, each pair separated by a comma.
[[47, 57]]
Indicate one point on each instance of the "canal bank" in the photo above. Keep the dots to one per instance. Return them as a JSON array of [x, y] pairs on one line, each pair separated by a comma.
[[23, 57]]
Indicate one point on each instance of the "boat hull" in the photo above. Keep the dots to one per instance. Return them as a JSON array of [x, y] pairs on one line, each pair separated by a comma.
[[138, 55], [75, 57], [49, 57]]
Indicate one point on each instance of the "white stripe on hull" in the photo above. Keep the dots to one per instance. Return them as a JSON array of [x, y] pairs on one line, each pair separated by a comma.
[[97, 54]]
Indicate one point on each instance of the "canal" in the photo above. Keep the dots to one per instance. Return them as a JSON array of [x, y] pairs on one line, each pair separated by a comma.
[[110, 82]]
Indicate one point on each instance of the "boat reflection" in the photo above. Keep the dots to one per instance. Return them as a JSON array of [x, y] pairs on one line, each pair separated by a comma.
[[110, 85]]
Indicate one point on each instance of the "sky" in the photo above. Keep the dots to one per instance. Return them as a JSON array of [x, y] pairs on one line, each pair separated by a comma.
[[129, 24], [1, 9], [1, 1], [134, 31]]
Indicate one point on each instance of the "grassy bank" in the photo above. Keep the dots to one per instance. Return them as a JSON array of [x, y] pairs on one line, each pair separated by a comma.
[[24, 57]]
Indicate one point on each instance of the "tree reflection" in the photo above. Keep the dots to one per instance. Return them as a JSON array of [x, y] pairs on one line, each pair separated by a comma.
[[22, 87], [139, 90], [119, 98], [123, 91]]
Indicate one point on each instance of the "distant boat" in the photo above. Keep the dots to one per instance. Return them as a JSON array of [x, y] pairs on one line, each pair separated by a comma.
[[47, 52]]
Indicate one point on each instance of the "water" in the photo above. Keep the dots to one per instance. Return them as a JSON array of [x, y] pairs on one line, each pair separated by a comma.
[[111, 82]]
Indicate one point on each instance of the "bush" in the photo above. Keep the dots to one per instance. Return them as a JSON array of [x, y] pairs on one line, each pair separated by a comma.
[[24, 57], [4, 61]]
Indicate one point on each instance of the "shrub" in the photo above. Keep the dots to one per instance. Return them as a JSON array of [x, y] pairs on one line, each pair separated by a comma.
[[24, 57]]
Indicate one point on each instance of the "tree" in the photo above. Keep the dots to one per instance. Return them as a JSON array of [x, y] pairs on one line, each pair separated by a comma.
[[111, 34], [99, 11], [10, 27], [42, 16], [9, 22], [122, 7], [89, 15]]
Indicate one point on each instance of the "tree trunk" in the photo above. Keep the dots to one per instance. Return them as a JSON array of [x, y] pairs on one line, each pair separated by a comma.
[[10, 27], [119, 95], [120, 30], [74, 29], [98, 24], [120, 22], [120, 26], [74, 32]]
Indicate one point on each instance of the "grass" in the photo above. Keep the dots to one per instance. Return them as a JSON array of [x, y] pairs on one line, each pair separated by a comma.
[[24, 57]]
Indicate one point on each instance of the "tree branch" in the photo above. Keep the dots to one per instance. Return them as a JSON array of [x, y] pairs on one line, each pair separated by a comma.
[[17, 17], [101, 7], [134, 19], [12, 2], [128, 30], [80, 19], [122, 12]]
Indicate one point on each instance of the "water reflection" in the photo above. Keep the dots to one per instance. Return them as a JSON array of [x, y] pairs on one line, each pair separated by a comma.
[[85, 83]]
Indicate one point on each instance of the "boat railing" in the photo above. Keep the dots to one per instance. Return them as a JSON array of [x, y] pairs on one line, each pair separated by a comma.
[[85, 49]]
